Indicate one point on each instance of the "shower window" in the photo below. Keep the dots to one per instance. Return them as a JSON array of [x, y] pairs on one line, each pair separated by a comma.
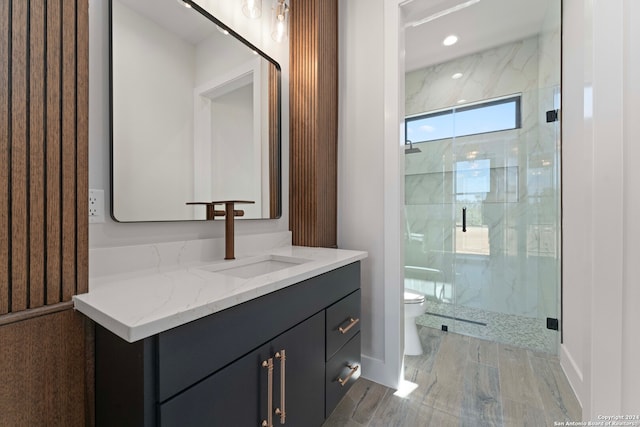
[[488, 116]]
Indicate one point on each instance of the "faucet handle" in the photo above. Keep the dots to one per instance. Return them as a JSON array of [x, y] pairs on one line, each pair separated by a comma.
[[212, 212]]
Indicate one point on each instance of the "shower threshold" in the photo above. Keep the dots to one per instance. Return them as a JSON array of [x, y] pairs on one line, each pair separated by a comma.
[[456, 318]]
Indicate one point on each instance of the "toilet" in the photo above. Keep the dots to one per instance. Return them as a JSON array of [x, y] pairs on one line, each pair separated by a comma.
[[414, 306]]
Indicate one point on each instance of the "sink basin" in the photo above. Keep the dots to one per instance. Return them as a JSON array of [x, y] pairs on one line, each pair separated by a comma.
[[253, 267]]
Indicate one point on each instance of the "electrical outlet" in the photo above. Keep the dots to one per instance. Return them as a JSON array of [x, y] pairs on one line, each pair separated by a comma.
[[96, 206]]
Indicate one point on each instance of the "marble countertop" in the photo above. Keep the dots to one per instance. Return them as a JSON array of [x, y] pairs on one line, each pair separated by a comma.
[[139, 304]]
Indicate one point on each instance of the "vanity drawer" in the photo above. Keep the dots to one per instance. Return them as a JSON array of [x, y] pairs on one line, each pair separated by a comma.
[[343, 322], [342, 370]]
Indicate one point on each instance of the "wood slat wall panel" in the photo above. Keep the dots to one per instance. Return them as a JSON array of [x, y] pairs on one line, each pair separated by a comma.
[[313, 127], [275, 189], [19, 152], [4, 157], [328, 116], [68, 149], [46, 359], [53, 288], [37, 100], [43, 152], [302, 124], [82, 149]]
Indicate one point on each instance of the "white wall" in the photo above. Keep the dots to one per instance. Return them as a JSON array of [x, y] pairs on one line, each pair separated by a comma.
[[360, 157], [601, 98], [631, 205], [117, 234], [369, 185]]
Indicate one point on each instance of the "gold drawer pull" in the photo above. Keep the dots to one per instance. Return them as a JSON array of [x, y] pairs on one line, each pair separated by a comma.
[[269, 365], [351, 325], [354, 369], [281, 412]]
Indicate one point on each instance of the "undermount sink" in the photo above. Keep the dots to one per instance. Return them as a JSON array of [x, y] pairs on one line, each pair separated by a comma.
[[253, 267]]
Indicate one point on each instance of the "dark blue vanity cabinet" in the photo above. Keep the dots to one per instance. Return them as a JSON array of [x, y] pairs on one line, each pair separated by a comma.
[[287, 356]]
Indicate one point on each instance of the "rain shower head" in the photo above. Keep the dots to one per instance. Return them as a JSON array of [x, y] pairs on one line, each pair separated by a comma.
[[411, 149]]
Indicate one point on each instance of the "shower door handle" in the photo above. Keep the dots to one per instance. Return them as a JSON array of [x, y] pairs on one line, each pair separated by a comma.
[[464, 220]]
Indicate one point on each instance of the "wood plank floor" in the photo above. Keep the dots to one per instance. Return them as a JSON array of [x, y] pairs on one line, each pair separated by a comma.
[[465, 381]]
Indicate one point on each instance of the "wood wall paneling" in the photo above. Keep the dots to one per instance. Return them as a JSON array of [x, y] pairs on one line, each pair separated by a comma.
[[328, 117], [46, 382], [313, 122], [68, 149], [4, 157], [82, 148], [19, 183], [37, 102], [275, 187], [43, 152], [53, 157], [46, 359]]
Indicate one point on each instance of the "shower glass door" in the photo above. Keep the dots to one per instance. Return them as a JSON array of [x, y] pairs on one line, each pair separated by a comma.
[[482, 218]]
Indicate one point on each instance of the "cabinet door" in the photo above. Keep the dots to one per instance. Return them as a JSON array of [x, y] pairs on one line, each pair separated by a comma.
[[238, 394], [234, 396], [303, 374]]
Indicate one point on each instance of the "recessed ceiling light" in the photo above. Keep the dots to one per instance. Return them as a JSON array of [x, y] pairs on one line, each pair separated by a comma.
[[456, 76], [462, 101], [185, 4], [450, 40], [222, 30]]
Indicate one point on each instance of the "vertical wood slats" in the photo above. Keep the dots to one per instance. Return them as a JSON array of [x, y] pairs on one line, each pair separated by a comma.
[[43, 152], [4, 158], [275, 187], [68, 149], [52, 152], [37, 101], [328, 118], [19, 135], [82, 148], [313, 122]]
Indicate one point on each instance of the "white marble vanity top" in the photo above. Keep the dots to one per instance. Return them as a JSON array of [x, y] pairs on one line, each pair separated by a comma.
[[139, 304]]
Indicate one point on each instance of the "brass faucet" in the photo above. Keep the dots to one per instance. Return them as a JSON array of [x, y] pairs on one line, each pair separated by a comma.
[[229, 213]]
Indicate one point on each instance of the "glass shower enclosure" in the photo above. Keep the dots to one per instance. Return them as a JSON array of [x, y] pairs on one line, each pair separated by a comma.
[[482, 217]]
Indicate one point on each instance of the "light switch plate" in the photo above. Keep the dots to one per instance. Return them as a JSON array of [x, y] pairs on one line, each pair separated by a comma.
[[96, 206]]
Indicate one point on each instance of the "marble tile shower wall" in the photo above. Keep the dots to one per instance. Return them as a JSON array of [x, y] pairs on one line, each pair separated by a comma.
[[516, 272]]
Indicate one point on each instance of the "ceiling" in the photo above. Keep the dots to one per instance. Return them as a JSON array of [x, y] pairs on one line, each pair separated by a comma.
[[480, 26]]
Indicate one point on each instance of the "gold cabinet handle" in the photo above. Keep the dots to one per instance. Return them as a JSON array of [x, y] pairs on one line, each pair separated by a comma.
[[269, 365], [281, 411], [354, 369], [349, 326]]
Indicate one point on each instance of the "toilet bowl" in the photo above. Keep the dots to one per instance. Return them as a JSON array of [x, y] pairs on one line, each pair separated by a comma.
[[414, 306]]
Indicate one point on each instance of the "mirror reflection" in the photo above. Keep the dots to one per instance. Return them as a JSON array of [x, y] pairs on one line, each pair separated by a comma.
[[195, 115]]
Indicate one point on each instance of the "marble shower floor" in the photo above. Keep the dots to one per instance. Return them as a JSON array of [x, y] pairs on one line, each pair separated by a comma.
[[465, 381]]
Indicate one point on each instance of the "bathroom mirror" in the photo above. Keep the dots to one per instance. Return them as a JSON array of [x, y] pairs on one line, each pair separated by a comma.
[[195, 115]]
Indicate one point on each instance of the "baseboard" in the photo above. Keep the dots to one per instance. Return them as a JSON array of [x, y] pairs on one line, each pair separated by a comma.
[[572, 372], [377, 371]]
